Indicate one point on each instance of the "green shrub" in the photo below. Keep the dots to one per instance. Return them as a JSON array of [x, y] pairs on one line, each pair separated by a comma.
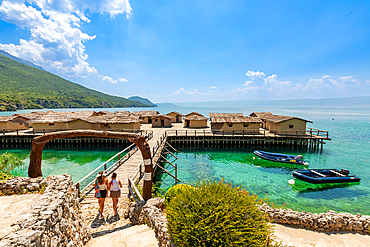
[[175, 190], [216, 214], [5, 176]]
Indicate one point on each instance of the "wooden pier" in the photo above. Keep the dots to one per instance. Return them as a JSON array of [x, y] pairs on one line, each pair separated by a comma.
[[262, 139]]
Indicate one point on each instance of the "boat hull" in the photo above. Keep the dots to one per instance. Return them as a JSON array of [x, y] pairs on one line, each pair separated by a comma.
[[283, 158], [311, 177]]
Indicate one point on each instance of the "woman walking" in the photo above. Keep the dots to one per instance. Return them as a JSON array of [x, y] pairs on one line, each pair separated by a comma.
[[101, 185], [115, 191]]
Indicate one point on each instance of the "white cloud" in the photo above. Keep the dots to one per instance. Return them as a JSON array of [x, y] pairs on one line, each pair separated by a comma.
[[185, 92], [212, 87], [122, 80], [108, 79], [367, 82], [327, 83], [56, 41], [255, 74]]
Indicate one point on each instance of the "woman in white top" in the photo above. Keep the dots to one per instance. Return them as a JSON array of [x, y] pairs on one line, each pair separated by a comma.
[[115, 191], [101, 185]]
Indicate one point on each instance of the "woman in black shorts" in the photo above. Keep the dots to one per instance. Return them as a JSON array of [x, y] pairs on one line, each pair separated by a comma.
[[101, 184]]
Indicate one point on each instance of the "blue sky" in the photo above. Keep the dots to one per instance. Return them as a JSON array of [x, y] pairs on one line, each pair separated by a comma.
[[178, 51]]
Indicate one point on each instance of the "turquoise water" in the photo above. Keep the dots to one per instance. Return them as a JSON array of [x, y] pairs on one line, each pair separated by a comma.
[[78, 163], [349, 148]]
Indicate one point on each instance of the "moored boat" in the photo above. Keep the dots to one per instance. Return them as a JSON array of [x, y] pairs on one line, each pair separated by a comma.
[[284, 158], [325, 176]]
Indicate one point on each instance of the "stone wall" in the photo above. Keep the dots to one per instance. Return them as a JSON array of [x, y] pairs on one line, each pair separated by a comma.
[[330, 221], [150, 213], [55, 220], [21, 185]]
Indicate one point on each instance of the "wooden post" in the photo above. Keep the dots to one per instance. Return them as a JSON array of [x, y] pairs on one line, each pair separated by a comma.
[[175, 173]]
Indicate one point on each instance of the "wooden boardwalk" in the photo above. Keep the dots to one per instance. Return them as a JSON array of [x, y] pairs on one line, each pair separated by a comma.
[[127, 168]]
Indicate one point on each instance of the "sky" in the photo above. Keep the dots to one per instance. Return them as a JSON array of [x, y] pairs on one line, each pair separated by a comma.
[[190, 51]]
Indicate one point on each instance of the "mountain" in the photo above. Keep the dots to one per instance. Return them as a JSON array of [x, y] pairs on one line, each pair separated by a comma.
[[142, 100], [20, 60], [25, 87]]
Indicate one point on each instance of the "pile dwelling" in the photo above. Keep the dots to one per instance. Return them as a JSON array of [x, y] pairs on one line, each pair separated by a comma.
[[225, 130]]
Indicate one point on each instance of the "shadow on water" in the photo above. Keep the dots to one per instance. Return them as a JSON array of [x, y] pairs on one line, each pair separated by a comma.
[[328, 191]]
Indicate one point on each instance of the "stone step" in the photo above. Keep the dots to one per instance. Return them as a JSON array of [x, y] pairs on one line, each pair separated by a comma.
[[138, 236]]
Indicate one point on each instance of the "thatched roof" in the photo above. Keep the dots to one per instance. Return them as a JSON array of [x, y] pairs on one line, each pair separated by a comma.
[[121, 120], [279, 119], [233, 118], [175, 112], [31, 115], [164, 116], [103, 113], [109, 120], [4, 119], [268, 116], [217, 115], [195, 114], [121, 113], [196, 118], [261, 115], [145, 113], [49, 118]]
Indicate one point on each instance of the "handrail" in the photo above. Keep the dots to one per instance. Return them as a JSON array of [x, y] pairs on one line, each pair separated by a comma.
[[124, 150], [128, 155]]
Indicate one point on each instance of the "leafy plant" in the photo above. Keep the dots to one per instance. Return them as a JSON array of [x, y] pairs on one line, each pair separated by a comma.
[[5, 176], [157, 191], [175, 190], [8, 162], [216, 214]]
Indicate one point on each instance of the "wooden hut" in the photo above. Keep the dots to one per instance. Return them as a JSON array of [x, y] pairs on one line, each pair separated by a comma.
[[234, 122], [195, 120], [176, 117], [124, 124], [49, 123], [283, 125], [12, 123], [263, 116], [145, 116], [162, 121], [83, 124]]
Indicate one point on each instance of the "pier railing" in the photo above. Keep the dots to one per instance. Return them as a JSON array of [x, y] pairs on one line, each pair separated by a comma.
[[135, 177], [309, 133], [88, 186]]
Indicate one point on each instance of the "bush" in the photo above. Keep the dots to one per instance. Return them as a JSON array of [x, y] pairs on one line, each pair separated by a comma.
[[5, 176], [175, 190], [216, 214]]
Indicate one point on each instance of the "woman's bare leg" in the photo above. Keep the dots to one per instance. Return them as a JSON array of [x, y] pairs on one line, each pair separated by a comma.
[[101, 205], [115, 202]]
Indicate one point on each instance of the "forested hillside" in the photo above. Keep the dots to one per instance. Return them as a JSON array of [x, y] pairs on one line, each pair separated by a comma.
[[24, 87]]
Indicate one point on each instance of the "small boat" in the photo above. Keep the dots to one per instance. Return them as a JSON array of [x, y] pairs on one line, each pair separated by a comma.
[[325, 176], [284, 158]]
